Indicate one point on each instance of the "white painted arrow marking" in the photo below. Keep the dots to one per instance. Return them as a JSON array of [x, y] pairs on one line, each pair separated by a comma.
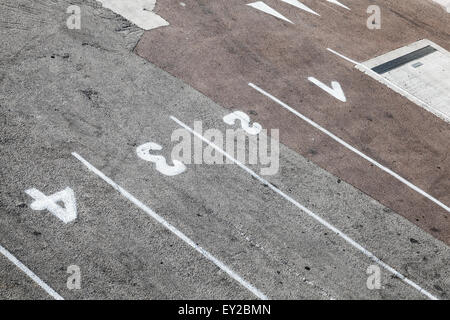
[[50, 203], [300, 5], [259, 5], [339, 4], [335, 90]]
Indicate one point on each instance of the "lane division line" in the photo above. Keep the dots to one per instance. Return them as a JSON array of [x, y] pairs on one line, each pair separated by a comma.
[[348, 146], [326, 224], [30, 274], [171, 228]]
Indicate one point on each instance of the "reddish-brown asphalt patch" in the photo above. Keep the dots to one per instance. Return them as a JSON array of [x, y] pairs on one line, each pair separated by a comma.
[[218, 47]]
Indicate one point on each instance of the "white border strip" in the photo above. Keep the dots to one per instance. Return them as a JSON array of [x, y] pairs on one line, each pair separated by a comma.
[[310, 213], [171, 228], [345, 144], [30, 274]]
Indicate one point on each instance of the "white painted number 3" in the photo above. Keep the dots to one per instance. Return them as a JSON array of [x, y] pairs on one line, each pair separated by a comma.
[[143, 152], [231, 118], [66, 214]]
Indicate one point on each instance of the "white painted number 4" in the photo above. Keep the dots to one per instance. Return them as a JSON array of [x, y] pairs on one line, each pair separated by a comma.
[[66, 214]]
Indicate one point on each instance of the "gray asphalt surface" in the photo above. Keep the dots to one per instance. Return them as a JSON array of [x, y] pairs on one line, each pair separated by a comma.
[[85, 91]]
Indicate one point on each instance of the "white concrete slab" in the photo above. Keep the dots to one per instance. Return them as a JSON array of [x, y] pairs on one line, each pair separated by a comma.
[[425, 80], [140, 12], [444, 3]]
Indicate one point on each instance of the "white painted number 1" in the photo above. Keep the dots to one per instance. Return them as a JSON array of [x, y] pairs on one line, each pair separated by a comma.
[[66, 214]]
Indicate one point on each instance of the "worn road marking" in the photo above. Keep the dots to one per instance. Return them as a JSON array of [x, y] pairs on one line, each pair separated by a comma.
[[335, 90], [345, 144], [339, 4], [137, 11], [231, 118], [30, 274], [50, 203], [171, 228], [301, 6], [309, 212], [143, 152], [259, 5]]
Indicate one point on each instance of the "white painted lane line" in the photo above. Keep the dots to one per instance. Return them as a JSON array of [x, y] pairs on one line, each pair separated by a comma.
[[259, 5], [309, 212], [301, 6], [339, 4], [345, 144], [392, 85], [172, 229], [30, 274], [335, 90], [343, 57]]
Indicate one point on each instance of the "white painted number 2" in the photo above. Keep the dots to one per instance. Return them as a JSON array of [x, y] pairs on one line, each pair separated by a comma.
[[66, 214], [245, 122], [143, 152]]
